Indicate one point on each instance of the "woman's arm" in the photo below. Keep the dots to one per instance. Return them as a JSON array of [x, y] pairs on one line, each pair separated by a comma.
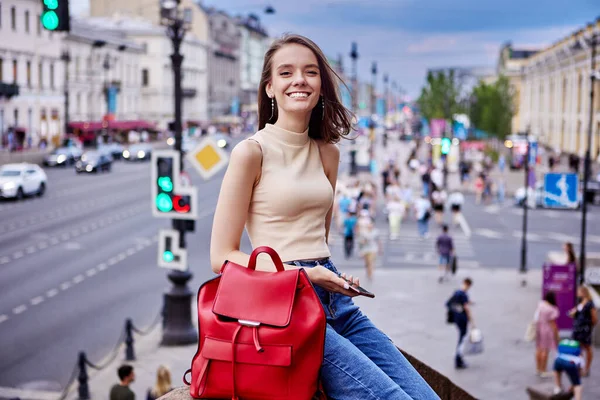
[[330, 157], [231, 213], [555, 330], [594, 314]]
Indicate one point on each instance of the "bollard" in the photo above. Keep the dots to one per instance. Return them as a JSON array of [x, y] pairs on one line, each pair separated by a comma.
[[129, 351], [84, 390]]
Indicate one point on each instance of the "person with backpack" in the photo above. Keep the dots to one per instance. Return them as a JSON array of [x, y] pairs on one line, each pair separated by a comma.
[[445, 249], [569, 361], [459, 312]]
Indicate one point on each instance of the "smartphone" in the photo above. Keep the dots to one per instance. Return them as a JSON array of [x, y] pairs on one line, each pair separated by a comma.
[[360, 290]]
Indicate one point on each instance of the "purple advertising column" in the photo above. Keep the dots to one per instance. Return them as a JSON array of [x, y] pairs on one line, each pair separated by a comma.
[[561, 280]]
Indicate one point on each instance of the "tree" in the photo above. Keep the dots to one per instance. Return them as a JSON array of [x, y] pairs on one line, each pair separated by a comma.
[[440, 96], [492, 107]]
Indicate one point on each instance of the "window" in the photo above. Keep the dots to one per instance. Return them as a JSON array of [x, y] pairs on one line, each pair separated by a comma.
[[579, 94], [0, 27], [16, 115], [28, 73], [51, 76], [41, 75], [39, 24], [145, 77], [13, 18], [1, 69], [15, 75], [27, 21]]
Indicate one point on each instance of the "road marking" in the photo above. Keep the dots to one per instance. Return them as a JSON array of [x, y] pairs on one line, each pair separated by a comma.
[[64, 236], [3, 318], [112, 261], [139, 247], [131, 251], [42, 245], [36, 300], [102, 267], [18, 255], [561, 237], [65, 285], [91, 272], [54, 240], [464, 225], [19, 309], [121, 256], [489, 233], [24, 394], [78, 279], [492, 209], [4, 260], [534, 237], [30, 250], [51, 293]]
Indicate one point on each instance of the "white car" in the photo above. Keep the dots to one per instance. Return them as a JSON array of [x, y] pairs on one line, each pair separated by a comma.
[[20, 180]]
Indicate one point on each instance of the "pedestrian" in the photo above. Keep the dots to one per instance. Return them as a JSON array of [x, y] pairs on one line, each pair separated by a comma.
[[437, 178], [349, 233], [121, 390], [546, 332], [585, 318], [479, 186], [500, 190], [369, 245], [343, 202], [279, 186], [426, 181], [423, 213], [571, 258], [568, 360], [459, 307], [438, 200], [456, 201], [395, 209], [162, 385], [445, 249]]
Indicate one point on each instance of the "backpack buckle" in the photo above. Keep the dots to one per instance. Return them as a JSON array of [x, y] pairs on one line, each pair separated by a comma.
[[251, 324]]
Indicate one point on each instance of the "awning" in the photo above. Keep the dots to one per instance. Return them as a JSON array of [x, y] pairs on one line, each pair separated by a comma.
[[91, 126]]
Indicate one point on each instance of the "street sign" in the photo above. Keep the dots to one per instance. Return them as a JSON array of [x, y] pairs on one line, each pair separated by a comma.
[[592, 275], [533, 152], [208, 158], [170, 198], [170, 255], [561, 190]]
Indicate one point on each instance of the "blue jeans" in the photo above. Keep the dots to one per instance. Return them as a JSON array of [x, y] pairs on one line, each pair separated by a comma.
[[461, 324], [423, 226], [360, 361]]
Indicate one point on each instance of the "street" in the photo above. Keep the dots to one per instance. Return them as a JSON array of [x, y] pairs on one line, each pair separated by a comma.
[[77, 262]]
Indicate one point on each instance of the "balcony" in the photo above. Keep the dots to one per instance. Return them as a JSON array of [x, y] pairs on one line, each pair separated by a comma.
[[9, 90]]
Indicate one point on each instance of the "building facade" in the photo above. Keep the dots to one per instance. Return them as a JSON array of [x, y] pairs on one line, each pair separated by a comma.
[[223, 67], [155, 70], [31, 77], [253, 45], [555, 97], [511, 63], [100, 59]]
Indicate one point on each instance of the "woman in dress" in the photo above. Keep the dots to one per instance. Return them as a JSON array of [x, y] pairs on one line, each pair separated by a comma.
[[279, 185], [369, 245], [585, 317], [546, 332]]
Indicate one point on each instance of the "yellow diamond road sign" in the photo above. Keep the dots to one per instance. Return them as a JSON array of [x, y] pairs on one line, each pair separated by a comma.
[[208, 158]]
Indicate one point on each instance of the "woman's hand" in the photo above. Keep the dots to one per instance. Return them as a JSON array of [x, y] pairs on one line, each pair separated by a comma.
[[329, 281]]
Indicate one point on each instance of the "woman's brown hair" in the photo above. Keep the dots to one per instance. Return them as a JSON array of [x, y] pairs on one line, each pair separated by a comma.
[[336, 121]]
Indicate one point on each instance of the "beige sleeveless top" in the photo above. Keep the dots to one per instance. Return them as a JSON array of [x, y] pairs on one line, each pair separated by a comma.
[[292, 197]]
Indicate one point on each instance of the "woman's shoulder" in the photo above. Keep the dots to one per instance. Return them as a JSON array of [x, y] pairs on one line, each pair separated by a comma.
[[327, 149], [248, 151]]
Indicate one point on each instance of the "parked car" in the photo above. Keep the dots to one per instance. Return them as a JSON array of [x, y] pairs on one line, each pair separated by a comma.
[[20, 180], [115, 149], [94, 161], [138, 152], [63, 156]]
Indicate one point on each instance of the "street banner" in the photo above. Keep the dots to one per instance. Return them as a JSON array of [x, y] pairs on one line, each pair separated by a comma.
[[561, 279], [561, 190], [438, 126]]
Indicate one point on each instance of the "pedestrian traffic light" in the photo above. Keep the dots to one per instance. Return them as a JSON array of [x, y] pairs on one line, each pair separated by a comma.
[[55, 15], [170, 255], [445, 146], [170, 199]]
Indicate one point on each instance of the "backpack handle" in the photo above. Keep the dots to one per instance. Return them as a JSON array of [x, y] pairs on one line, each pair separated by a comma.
[[272, 253]]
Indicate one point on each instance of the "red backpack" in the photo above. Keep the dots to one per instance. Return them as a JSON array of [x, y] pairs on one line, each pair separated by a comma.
[[262, 334]]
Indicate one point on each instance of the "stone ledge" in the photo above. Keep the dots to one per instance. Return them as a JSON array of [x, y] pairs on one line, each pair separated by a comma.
[[443, 386]]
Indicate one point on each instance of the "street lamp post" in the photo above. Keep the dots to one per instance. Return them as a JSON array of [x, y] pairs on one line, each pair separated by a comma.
[[523, 266], [354, 94], [373, 85], [593, 41], [66, 57], [177, 309]]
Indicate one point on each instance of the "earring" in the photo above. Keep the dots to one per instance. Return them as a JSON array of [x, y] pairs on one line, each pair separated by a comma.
[[272, 108], [323, 105]]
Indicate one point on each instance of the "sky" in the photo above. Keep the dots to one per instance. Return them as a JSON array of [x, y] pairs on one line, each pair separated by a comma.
[[406, 37]]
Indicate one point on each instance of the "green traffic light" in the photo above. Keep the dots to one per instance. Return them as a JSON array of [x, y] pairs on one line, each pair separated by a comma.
[[164, 202], [168, 256], [446, 145], [165, 183], [51, 4], [50, 20]]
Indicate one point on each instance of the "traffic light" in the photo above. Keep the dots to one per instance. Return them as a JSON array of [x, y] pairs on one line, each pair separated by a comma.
[[170, 199], [170, 255], [55, 15], [446, 143]]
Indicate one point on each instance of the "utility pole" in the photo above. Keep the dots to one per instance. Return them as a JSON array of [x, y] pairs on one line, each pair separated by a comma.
[[373, 86], [354, 94], [587, 162], [523, 267], [177, 323], [66, 57]]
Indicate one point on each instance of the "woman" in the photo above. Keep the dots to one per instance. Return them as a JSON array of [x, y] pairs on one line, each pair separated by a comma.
[[162, 385], [586, 316], [279, 185], [479, 186], [546, 332], [369, 246]]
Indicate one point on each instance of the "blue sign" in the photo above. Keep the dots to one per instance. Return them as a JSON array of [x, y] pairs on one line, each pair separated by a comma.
[[235, 106], [561, 190], [112, 99], [533, 151]]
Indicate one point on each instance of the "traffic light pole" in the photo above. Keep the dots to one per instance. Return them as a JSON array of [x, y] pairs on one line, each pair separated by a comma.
[[523, 267], [66, 57], [177, 312]]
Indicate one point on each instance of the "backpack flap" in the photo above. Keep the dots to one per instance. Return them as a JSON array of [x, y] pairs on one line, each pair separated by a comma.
[[256, 296]]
